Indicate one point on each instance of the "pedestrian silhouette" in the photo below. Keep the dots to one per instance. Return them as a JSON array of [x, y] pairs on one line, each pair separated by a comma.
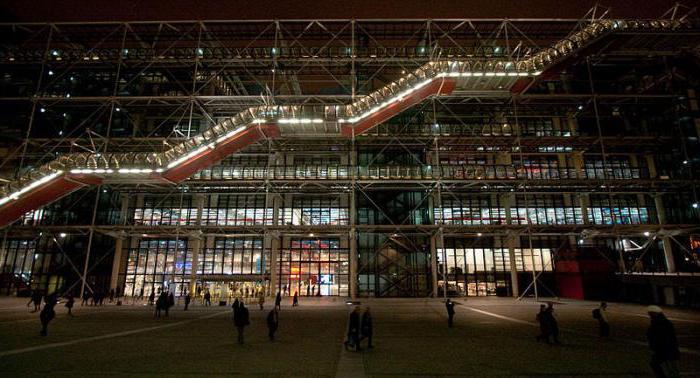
[[551, 322], [278, 301], [295, 299], [353, 339], [600, 315], [663, 344], [272, 323], [188, 298], [450, 312], [366, 328], [36, 299], [69, 303], [47, 314], [544, 325], [241, 320]]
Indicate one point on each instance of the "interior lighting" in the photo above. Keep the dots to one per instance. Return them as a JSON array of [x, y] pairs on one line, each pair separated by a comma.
[[646, 233], [50, 73], [62, 234], [695, 205]]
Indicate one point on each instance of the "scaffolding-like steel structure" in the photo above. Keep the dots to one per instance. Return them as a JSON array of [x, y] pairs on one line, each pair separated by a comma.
[[352, 157]]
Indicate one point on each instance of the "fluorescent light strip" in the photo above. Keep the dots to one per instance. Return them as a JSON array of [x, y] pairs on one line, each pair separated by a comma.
[[31, 186], [299, 120], [135, 170]]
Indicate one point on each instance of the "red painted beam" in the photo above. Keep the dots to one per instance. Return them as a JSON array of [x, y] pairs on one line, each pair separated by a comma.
[[520, 85], [40, 196], [437, 87], [209, 157]]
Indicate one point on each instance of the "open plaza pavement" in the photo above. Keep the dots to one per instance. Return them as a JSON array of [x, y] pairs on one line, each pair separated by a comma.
[[491, 337]]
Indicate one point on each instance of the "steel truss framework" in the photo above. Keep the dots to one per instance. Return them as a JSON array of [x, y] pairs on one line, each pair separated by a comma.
[[125, 105]]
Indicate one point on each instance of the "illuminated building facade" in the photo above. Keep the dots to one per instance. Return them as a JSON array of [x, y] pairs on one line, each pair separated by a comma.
[[352, 157]]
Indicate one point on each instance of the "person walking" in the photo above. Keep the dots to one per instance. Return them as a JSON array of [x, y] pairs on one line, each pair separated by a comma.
[[295, 299], [353, 339], [450, 312], [273, 321], [261, 301], [544, 326], [552, 325], [207, 298], [151, 297], [663, 343], [161, 304], [600, 315], [241, 319], [188, 298], [69, 303], [170, 303], [278, 301], [141, 294], [36, 299], [86, 299], [366, 328], [47, 314], [236, 304]]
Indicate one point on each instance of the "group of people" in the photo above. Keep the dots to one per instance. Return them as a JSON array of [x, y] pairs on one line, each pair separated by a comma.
[[164, 302], [360, 327], [241, 319], [549, 328]]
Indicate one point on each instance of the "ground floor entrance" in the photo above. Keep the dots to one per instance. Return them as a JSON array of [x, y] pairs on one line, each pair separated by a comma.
[[226, 289]]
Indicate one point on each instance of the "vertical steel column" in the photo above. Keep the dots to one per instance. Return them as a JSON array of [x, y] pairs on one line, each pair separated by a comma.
[[117, 262]]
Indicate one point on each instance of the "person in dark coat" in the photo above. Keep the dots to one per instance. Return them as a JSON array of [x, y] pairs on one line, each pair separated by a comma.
[[366, 328], [187, 301], [278, 301], [161, 303], [151, 298], [663, 344], [207, 298], [600, 314], [551, 322], [544, 325], [235, 306], [273, 322], [295, 299], [450, 312], [241, 319], [353, 339], [69, 304], [86, 299], [170, 303], [111, 295], [47, 314], [36, 299]]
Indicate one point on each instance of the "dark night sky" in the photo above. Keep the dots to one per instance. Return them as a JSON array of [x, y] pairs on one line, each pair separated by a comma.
[[132, 10]]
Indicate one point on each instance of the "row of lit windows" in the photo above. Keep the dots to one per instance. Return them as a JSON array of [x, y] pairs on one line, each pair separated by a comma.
[[408, 172]]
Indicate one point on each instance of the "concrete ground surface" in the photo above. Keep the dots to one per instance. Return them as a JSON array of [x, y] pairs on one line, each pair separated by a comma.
[[491, 337]]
